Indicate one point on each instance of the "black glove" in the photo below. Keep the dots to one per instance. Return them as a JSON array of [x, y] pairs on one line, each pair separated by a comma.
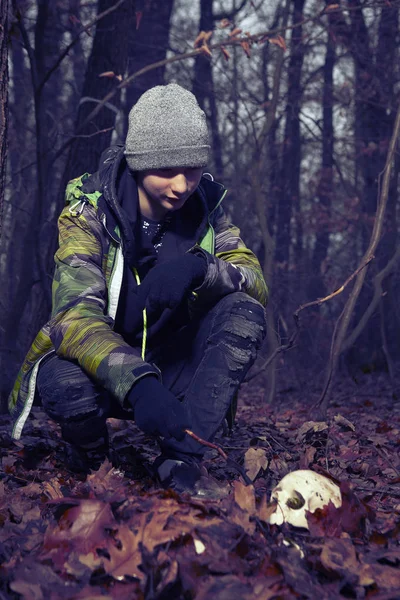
[[156, 410], [167, 284]]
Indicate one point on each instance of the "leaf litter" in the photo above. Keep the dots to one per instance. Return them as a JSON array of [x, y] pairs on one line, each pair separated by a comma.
[[115, 534]]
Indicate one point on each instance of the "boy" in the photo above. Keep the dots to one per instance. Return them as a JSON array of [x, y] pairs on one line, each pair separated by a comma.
[[158, 306]]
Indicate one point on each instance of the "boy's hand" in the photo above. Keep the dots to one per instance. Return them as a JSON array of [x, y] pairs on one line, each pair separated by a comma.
[[166, 285], [156, 410]]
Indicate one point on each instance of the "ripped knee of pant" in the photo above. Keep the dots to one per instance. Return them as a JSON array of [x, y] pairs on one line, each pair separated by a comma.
[[71, 402], [240, 332]]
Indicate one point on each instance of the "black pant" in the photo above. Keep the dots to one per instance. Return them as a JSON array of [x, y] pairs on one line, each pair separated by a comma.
[[203, 366]]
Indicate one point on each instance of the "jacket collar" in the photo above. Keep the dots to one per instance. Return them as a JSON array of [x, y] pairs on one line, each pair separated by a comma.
[[112, 170]]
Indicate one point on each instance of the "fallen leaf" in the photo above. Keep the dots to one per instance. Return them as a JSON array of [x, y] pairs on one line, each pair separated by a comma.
[[82, 526], [265, 509], [125, 555], [339, 556], [310, 427], [340, 420], [307, 458], [244, 497], [255, 460]]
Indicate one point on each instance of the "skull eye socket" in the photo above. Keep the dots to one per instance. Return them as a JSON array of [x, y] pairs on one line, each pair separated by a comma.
[[296, 501]]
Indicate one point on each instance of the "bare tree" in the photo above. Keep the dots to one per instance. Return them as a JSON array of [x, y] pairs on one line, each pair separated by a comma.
[[3, 99], [289, 185], [109, 55], [149, 45]]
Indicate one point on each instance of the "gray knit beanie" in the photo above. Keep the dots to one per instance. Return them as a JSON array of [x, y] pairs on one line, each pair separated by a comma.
[[167, 128]]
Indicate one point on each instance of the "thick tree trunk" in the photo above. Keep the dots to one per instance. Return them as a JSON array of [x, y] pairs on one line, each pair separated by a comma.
[[3, 100], [3, 130], [289, 187], [317, 287], [29, 302], [374, 118], [203, 87], [109, 54], [147, 46]]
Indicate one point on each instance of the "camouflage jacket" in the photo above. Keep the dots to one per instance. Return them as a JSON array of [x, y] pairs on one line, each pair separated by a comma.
[[88, 278]]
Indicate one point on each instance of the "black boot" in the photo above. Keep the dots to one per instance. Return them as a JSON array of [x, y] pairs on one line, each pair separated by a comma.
[[188, 477], [86, 457]]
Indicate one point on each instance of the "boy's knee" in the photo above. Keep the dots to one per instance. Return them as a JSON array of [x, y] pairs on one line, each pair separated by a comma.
[[243, 316], [240, 328], [66, 392]]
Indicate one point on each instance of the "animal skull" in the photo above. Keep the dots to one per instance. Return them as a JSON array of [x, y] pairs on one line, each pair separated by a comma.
[[300, 491]]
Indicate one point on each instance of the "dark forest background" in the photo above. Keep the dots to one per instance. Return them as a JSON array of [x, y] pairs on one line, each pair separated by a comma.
[[301, 98]]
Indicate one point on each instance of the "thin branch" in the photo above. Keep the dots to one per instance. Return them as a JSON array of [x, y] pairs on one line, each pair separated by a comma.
[[378, 279], [296, 318], [205, 443], [64, 53], [234, 41], [89, 135], [344, 319], [229, 14]]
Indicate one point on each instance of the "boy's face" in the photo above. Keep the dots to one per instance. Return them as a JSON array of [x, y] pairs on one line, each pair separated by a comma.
[[164, 190]]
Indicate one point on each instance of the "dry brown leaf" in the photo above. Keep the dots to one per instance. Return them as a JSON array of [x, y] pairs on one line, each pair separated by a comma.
[[109, 74], [204, 49], [52, 489], [235, 32], [106, 480], [244, 497], [310, 426], [339, 556], [385, 577], [82, 526], [224, 24], [125, 554], [308, 457], [225, 53], [344, 422], [202, 39], [246, 47], [265, 509], [331, 7], [243, 519], [255, 459], [279, 41]]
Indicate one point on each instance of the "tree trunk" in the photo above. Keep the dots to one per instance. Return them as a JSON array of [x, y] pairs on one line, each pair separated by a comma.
[[147, 46], [3, 125], [3, 100], [374, 120], [203, 87], [289, 193], [317, 287], [109, 54]]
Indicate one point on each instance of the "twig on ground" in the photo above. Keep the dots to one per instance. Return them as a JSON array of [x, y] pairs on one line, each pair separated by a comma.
[[208, 444], [230, 461]]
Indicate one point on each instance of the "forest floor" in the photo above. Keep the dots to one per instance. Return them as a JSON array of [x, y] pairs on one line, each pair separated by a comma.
[[116, 534]]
